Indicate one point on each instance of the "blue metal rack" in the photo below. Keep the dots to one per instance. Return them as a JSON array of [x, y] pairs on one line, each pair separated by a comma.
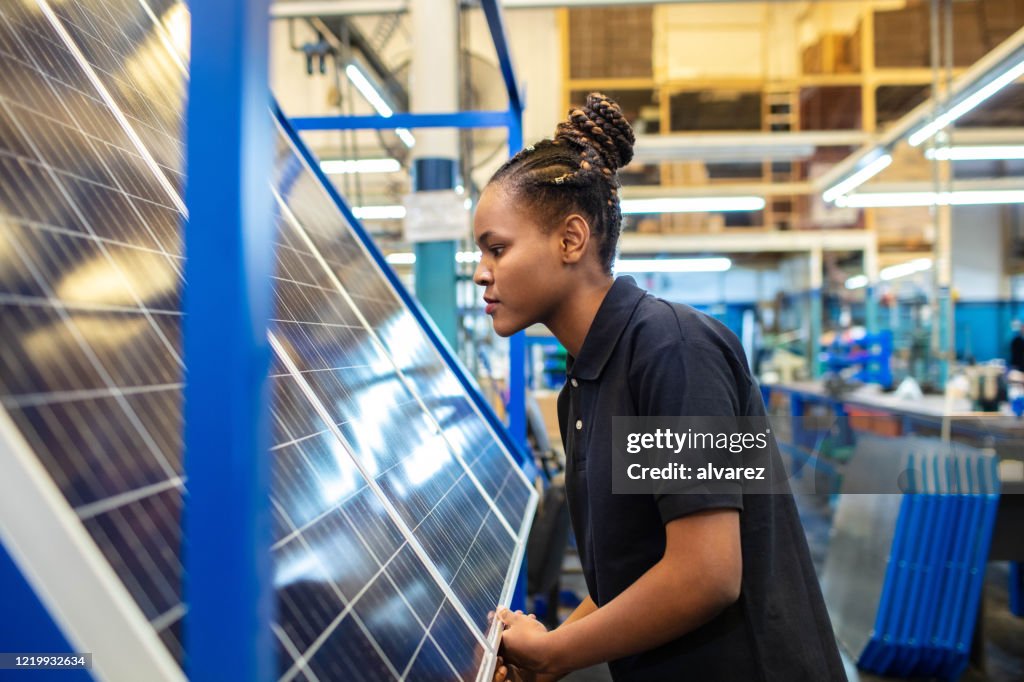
[[229, 246], [921, 619], [512, 119], [229, 242]]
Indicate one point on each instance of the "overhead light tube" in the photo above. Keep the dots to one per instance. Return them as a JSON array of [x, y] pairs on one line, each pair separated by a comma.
[[857, 179], [692, 205], [857, 282], [365, 87], [396, 212], [647, 265], [1003, 152], [401, 258], [967, 104], [904, 269], [904, 199], [347, 166]]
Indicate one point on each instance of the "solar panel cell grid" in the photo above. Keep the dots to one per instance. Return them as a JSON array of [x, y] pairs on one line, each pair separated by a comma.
[[121, 44]]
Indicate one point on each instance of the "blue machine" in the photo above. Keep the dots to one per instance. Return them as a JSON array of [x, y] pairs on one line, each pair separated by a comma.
[[870, 354], [904, 575]]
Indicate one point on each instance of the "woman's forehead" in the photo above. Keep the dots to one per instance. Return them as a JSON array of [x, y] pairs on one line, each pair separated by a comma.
[[495, 211]]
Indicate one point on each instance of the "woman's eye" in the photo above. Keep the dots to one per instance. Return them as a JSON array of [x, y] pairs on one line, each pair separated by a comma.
[[497, 250]]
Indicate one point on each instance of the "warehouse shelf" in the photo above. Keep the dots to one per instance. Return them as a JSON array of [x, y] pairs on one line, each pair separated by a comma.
[[834, 60]]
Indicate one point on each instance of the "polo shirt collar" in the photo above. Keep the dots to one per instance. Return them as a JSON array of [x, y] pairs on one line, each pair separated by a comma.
[[608, 325]]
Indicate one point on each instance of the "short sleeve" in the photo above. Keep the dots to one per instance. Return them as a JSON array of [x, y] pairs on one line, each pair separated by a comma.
[[689, 380]]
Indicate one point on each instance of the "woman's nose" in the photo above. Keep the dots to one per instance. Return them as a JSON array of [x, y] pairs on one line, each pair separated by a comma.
[[482, 275]]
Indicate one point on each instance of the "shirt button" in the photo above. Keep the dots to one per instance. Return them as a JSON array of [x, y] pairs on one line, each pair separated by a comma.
[[574, 383], [579, 424]]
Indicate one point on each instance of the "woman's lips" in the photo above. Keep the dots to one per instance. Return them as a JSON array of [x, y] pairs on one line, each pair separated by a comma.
[[491, 307]]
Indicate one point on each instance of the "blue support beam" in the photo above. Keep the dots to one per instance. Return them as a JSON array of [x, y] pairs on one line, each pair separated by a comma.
[[870, 309], [229, 242], [27, 626], [814, 327], [435, 283], [496, 24], [517, 344], [462, 119]]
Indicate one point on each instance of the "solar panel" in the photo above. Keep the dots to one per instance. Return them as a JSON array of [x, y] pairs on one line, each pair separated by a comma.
[[399, 517]]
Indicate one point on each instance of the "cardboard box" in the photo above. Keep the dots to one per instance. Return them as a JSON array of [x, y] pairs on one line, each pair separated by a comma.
[[611, 42], [903, 37], [548, 402]]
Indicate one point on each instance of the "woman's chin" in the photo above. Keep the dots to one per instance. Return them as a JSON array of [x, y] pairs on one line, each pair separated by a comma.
[[505, 329]]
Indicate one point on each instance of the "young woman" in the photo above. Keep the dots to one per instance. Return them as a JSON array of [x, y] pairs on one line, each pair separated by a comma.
[[688, 586]]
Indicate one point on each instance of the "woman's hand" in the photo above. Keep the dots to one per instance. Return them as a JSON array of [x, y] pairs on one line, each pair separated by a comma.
[[504, 672], [524, 642]]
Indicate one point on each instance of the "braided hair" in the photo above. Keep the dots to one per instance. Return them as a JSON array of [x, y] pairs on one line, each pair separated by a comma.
[[576, 172]]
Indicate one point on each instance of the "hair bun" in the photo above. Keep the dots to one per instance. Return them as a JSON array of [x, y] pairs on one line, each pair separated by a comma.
[[600, 125]]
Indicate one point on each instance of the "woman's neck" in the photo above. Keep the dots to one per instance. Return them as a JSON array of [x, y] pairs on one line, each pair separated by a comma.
[[573, 319]]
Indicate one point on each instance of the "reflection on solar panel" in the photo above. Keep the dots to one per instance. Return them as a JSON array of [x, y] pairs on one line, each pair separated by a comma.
[[399, 516]]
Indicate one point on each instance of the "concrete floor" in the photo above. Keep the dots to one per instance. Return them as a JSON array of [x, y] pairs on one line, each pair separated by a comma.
[[1003, 655]]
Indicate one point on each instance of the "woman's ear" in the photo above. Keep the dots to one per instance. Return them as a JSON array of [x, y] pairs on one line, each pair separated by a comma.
[[575, 238]]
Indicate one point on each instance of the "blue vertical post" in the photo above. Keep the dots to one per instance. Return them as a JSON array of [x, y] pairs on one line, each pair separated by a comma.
[[947, 352], [517, 369], [517, 344], [228, 301], [27, 625], [870, 309], [434, 276], [816, 277], [815, 331]]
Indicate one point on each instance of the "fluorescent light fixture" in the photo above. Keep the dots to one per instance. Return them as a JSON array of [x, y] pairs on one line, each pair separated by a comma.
[[341, 166], [644, 265], [1002, 152], [692, 205], [902, 199], [857, 179], [968, 103], [379, 212], [409, 258], [904, 269], [406, 137], [857, 282], [401, 258], [364, 86]]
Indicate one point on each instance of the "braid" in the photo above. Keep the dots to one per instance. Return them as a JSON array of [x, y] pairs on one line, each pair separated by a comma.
[[576, 171]]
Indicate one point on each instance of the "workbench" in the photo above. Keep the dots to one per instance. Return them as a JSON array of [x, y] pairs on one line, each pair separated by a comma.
[[804, 413]]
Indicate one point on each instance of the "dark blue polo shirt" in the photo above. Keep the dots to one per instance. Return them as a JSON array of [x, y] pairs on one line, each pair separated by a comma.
[[646, 356]]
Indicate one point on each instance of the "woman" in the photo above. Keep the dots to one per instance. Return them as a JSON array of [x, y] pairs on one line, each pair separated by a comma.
[[703, 587]]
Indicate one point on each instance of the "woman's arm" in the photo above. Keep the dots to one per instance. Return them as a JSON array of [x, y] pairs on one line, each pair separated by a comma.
[[586, 607], [698, 576]]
